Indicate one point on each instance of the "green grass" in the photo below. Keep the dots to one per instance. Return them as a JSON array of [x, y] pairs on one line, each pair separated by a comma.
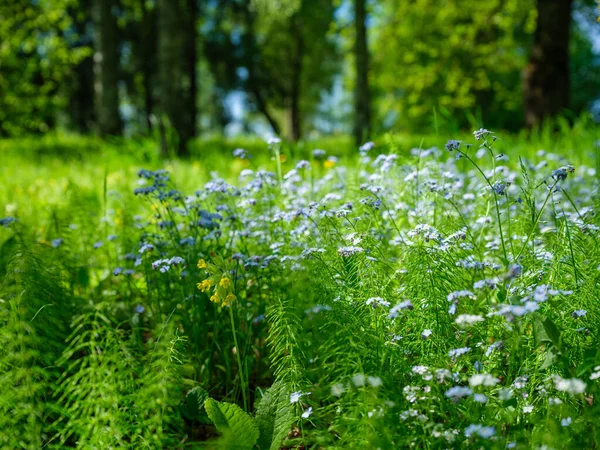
[[353, 288]]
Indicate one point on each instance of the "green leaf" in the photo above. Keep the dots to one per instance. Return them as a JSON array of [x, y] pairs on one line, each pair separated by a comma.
[[552, 331], [237, 428], [539, 332], [193, 407]]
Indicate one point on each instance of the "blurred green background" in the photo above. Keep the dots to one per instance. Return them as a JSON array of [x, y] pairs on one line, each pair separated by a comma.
[[342, 71]]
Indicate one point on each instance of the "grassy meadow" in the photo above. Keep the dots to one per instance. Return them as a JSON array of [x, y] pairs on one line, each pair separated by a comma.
[[429, 292]]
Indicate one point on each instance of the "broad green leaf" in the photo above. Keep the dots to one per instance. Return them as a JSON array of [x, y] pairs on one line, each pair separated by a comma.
[[237, 428], [194, 404]]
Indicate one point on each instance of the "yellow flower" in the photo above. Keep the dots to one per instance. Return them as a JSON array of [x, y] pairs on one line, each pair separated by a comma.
[[215, 298], [202, 264], [225, 282], [230, 298], [329, 164], [205, 285]]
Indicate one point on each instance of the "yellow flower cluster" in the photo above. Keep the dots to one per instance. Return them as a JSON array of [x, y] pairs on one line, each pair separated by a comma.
[[205, 285], [202, 264]]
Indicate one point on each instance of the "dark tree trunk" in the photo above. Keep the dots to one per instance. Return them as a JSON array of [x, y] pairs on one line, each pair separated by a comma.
[[106, 67], [546, 81], [81, 101], [251, 55], [81, 88], [148, 61], [177, 68], [296, 84], [362, 95]]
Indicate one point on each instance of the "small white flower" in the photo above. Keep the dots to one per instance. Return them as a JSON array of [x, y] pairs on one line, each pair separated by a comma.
[[426, 333], [296, 396], [483, 379], [527, 409], [374, 381], [306, 414], [358, 380], [465, 320], [572, 386]]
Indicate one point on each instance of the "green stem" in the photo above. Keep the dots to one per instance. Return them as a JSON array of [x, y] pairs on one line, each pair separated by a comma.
[[537, 219], [239, 360], [496, 203]]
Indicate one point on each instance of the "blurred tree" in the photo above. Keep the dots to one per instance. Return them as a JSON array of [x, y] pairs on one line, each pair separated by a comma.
[[139, 63], [81, 88], [451, 57], [280, 53], [362, 96], [106, 67], [547, 82], [36, 59], [177, 88]]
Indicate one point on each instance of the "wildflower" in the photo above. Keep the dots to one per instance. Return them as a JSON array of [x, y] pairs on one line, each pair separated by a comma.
[[358, 380], [205, 285], [296, 396], [426, 333], [377, 301], [215, 298], [139, 309], [337, 389], [240, 153], [458, 392], [273, 140], [366, 147], [117, 271], [98, 244], [572, 386], [57, 242], [465, 320], [399, 307], [480, 398], [561, 173], [596, 374], [6, 221], [306, 414], [520, 382], [514, 271], [202, 264], [318, 154], [303, 164], [374, 381], [145, 248], [330, 162], [229, 299], [483, 379], [480, 430], [481, 133], [452, 145], [527, 409], [578, 313], [350, 251], [566, 421], [455, 353], [500, 187], [225, 282]]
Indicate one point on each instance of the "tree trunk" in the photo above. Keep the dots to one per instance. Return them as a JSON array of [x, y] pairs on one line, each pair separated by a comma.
[[106, 68], [296, 83], [546, 81], [177, 67], [362, 96], [147, 52]]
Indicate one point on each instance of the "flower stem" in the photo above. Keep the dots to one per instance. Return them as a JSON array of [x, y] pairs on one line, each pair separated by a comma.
[[239, 360], [537, 219]]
